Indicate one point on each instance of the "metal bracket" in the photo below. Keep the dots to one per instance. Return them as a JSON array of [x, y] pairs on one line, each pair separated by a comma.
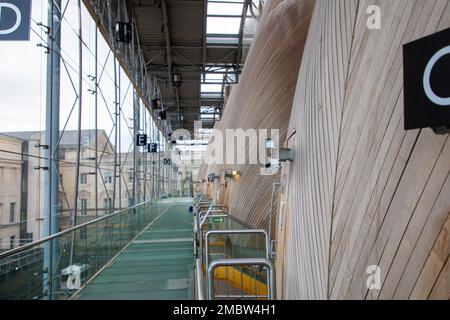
[[273, 251], [47, 49], [442, 130], [43, 146], [41, 168], [286, 154]]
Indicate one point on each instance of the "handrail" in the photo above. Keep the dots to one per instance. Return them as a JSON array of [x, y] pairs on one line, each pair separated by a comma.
[[214, 209], [199, 275], [200, 226], [203, 203], [230, 232], [272, 201], [64, 232], [203, 212], [241, 262], [232, 218]]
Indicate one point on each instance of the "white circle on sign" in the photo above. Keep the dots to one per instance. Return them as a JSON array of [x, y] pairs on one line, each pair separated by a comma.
[[427, 78], [18, 18]]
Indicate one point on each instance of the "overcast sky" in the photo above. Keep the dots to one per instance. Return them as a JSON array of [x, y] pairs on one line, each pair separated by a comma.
[[23, 79], [23, 74]]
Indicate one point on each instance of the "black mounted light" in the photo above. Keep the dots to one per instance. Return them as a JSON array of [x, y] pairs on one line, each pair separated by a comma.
[[123, 32], [162, 115], [177, 79]]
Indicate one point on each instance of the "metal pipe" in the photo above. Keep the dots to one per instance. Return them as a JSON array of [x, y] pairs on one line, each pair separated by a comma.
[[241, 36], [201, 221], [119, 134], [233, 232], [136, 126], [80, 109], [115, 137], [144, 124], [52, 136], [96, 144], [200, 228], [167, 37], [274, 186], [241, 262], [199, 282]]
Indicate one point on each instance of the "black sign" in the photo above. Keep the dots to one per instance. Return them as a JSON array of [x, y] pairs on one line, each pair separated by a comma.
[[15, 17], [427, 82], [152, 148], [141, 140], [167, 162]]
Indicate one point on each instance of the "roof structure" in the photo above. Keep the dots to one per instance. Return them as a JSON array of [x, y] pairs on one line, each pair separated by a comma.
[[203, 41]]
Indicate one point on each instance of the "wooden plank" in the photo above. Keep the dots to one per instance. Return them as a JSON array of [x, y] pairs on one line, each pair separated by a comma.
[[425, 210], [434, 266], [441, 290], [362, 191]]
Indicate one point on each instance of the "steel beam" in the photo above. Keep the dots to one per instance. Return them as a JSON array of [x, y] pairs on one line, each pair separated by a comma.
[[52, 137]]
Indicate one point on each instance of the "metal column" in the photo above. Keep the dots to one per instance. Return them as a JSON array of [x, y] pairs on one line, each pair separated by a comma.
[[51, 138], [136, 127]]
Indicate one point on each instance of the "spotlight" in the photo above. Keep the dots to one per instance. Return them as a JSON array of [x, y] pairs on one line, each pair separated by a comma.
[[232, 174], [177, 79], [162, 115]]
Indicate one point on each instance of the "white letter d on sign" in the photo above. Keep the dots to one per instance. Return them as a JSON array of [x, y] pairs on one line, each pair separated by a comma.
[[18, 17]]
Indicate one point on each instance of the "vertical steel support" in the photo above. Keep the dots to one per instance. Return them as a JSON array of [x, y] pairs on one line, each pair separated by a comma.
[[272, 201], [115, 138], [119, 132], [159, 165], [52, 137], [96, 123], [152, 132], [145, 158], [80, 109], [136, 125], [96, 147]]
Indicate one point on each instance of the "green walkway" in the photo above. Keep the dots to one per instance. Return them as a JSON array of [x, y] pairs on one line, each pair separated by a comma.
[[158, 265]]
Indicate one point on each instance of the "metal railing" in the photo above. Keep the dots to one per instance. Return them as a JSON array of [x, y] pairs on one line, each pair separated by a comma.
[[199, 279], [243, 251], [240, 263], [86, 248], [247, 232], [213, 214]]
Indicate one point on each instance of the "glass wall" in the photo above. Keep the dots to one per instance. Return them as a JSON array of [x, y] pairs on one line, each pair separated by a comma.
[[99, 168]]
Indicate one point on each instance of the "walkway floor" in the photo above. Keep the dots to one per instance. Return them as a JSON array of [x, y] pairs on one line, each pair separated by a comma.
[[157, 265]]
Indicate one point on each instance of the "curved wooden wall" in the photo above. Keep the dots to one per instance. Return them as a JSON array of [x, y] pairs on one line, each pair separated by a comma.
[[263, 99], [363, 191]]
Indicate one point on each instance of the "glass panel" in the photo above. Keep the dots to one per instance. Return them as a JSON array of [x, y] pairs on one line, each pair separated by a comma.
[[216, 25], [216, 95], [76, 256], [225, 8], [222, 40], [211, 88]]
